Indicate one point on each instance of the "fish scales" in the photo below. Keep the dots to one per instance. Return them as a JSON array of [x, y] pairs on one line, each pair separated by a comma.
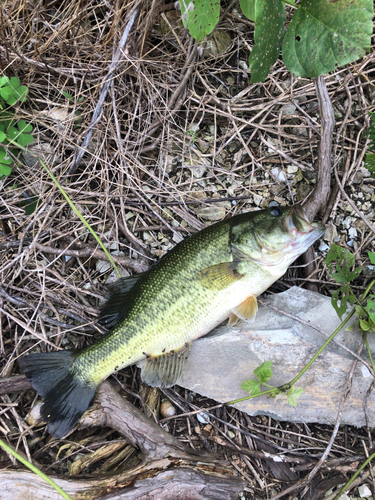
[[215, 274]]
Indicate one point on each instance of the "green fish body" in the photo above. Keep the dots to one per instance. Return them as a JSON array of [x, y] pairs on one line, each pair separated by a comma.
[[215, 274]]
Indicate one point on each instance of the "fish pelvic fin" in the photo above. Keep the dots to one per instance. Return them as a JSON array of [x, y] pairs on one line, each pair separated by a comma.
[[164, 370], [65, 392], [246, 311]]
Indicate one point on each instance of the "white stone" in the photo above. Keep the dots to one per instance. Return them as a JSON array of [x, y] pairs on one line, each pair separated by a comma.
[[257, 199], [347, 222], [279, 174], [323, 247], [364, 491], [292, 169], [352, 232]]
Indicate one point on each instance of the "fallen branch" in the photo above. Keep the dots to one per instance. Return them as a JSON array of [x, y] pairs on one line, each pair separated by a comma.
[[196, 474], [319, 198]]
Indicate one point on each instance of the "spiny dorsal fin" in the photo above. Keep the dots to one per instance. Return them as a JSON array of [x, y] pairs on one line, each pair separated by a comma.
[[116, 307], [246, 310], [220, 276], [164, 370]]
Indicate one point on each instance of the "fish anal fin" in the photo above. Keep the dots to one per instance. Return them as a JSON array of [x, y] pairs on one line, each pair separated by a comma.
[[220, 276], [247, 309], [164, 370], [117, 305]]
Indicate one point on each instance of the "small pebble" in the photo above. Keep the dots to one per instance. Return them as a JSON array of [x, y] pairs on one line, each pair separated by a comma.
[[292, 169], [203, 418], [352, 232], [279, 174], [323, 247], [364, 491], [347, 222]]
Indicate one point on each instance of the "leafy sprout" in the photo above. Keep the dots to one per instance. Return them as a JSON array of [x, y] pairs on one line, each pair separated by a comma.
[[12, 131]]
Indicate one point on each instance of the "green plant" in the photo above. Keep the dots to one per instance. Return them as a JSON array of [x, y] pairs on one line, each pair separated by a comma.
[[322, 35], [263, 373], [11, 131], [341, 265]]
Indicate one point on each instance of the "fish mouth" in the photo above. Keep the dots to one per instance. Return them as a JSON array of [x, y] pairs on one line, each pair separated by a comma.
[[297, 225]]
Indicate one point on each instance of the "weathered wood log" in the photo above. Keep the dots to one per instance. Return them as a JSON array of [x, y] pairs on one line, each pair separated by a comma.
[[181, 483], [197, 474]]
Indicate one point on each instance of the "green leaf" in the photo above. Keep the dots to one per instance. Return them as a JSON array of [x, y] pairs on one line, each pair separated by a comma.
[[24, 127], [25, 139], [344, 262], [293, 394], [4, 159], [371, 256], [30, 205], [14, 82], [269, 31], [325, 34], [67, 95], [200, 16], [248, 8], [264, 372], [4, 80], [6, 93], [4, 169], [252, 386], [2, 136], [364, 325], [339, 300], [370, 308]]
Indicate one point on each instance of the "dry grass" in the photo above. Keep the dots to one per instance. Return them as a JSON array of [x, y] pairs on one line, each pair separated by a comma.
[[183, 139]]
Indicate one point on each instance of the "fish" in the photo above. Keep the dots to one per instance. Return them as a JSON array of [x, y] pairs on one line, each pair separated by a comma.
[[215, 274]]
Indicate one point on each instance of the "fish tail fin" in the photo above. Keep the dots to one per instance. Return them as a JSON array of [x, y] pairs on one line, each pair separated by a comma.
[[66, 393]]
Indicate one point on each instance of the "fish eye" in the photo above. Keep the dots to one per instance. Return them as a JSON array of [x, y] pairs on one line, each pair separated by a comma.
[[275, 211]]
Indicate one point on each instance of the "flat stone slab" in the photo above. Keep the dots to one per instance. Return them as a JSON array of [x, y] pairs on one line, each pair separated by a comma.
[[222, 360]]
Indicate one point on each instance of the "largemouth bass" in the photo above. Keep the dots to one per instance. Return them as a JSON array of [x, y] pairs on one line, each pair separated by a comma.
[[215, 274]]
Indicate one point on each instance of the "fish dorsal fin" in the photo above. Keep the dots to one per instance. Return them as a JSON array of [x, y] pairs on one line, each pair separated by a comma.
[[117, 305], [220, 276], [246, 310], [164, 370]]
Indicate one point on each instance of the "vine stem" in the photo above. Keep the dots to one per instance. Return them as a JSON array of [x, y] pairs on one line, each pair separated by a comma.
[[287, 386], [360, 469]]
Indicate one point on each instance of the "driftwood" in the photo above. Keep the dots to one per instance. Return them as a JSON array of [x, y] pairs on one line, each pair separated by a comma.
[[165, 465]]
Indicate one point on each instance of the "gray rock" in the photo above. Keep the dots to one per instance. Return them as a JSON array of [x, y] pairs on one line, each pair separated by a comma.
[[222, 360], [288, 109]]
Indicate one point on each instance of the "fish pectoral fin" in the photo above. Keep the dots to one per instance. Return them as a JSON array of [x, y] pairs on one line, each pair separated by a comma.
[[220, 276], [246, 310], [164, 370], [116, 307]]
